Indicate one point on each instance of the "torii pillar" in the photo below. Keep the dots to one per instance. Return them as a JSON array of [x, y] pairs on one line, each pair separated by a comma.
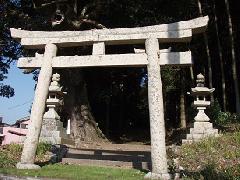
[[38, 109], [156, 112]]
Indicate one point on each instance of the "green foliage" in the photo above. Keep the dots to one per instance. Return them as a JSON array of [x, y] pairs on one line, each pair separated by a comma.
[[209, 172], [9, 49], [10, 154], [42, 148], [5, 161], [191, 113], [170, 78], [222, 118], [14, 148]]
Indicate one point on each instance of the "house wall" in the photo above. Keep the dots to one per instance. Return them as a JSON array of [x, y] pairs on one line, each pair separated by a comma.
[[10, 137]]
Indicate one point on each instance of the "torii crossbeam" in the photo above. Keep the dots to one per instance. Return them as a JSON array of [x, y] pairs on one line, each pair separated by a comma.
[[151, 57]]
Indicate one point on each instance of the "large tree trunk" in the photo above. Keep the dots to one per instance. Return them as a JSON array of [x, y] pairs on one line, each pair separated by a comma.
[[208, 52], [234, 66], [83, 125], [224, 99]]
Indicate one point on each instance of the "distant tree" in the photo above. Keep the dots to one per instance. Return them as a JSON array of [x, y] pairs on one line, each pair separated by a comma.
[[219, 46], [234, 60], [209, 59], [8, 48]]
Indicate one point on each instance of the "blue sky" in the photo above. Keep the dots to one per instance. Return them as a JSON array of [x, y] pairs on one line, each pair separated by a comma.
[[17, 106]]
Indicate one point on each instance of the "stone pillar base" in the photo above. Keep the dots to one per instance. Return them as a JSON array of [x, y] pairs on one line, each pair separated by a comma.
[[27, 166], [165, 176], [52, 131], [200, 131]]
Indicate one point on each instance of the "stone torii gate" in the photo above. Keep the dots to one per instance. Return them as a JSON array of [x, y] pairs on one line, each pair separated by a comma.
[[151, 57]]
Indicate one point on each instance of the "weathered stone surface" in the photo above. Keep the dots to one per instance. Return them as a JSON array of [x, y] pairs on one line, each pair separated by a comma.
[[156, 111], [98, 48], [206, 134], [38, 107], [201, 116], [136, 38], [27, 166], [205, 125], [140, 59], [198, 25], [171, 36], [200, 131], [53, 131], [186, 141], [151, 175], [51, 114], [52, 124], [175, 58], [175, 32]]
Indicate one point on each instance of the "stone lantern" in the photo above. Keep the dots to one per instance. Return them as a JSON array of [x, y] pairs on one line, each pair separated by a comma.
[[52, 128], [55, 98], [202, 127]]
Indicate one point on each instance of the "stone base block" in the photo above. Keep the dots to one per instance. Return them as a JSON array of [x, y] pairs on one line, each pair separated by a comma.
[[27, 166], [186, 141], [51, 140], [151, 175], [200, 131], [52, 131], [68, 141], [203, 131], [203, 125], [58, 140]]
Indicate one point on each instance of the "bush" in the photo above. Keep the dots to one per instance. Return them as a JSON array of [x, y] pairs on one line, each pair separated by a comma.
[[42, 148], [210, 172], [5, 161], [10, 154], [221, 118], [15, 148], [212, 158]]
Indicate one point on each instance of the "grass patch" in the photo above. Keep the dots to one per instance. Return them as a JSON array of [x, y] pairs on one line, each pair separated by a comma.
[[212, 157], [78, 172]]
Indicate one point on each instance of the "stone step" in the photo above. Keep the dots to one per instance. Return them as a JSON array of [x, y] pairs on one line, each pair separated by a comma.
[[109, 163], [213, 133], [187, 141], [67, 141], [107, 151], [205, 125], [203, 131], [114, 156], [195, 136]]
